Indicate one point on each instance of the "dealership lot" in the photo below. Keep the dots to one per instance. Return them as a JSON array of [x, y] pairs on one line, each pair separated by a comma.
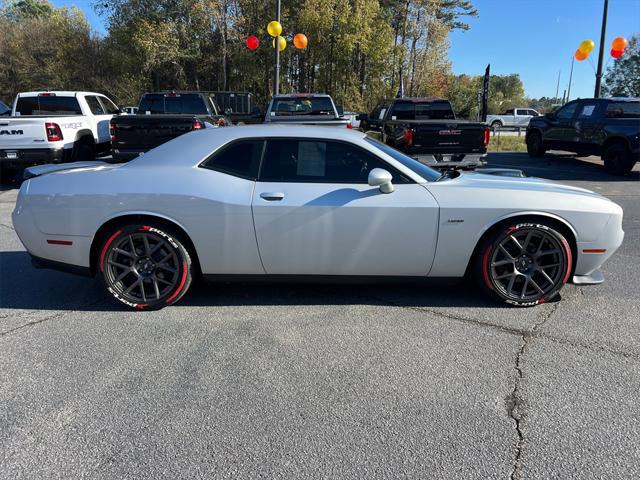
[[317, 381]]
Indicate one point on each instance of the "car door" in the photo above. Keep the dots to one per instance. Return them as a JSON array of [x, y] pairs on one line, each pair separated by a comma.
[[314, 213], [559, 127], [585, 127], [522, 117]]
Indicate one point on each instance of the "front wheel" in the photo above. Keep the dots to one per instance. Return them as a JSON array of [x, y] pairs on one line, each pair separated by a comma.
[[145, 267], [524, 264], [535, 147]]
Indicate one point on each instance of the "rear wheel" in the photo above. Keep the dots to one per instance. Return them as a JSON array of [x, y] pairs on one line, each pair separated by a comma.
[[145, 267], [535, 147], [524, 264], [83, 151], [496, 125], [618, 159]]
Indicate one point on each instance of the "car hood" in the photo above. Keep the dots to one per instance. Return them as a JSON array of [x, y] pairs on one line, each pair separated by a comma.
[[479, 180]]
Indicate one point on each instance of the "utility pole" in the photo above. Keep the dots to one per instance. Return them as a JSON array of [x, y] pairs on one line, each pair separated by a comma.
[[573, 59], [557, 86], [603, 34], [276, 70]]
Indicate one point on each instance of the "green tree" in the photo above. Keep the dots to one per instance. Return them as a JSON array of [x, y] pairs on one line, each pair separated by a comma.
[[623, 77]]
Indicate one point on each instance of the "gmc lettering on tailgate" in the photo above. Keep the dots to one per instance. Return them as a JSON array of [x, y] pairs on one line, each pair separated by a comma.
[[11, 132]]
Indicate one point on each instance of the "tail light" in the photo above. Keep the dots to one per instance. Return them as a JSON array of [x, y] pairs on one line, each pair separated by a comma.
[[409, 133], [487, 136], [196, 125], [349, 126], [54, 134], [221, 122], [112, 132]]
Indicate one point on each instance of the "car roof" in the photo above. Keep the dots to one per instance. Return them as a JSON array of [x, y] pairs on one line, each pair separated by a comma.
[[60, 93], [421, 99]]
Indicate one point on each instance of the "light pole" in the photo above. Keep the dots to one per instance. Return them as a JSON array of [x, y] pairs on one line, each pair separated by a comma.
[[603, 33], [276, 70], [573, 59]]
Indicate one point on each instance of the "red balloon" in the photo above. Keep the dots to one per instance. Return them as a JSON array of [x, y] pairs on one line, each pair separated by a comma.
[[616, 53], [252, 42]]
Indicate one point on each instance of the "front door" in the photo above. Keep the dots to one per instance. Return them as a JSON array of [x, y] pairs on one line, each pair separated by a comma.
[[559, 132], [314, 213]]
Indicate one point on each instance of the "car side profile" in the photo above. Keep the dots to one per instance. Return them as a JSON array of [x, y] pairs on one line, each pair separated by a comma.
[[271, 201]]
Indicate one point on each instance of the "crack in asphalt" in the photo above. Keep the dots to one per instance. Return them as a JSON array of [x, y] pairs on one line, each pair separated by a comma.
[[7, 226], [515, 401]]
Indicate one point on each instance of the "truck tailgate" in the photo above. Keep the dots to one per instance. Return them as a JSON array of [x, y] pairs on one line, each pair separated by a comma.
[[452, 136], [149, 131], [17, 132]]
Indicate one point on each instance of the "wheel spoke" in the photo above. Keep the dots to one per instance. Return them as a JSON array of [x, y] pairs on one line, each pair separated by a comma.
[[535, 285], [524, 287], [551, 265], [168, 268], [147, 248], [547, 277], [502, 262], [156, 288], [549, 252], [504, 275], [518, 244], [120, 265], [504, 250], [511, 282], [163, 281], [122, 275], [123, 252], [526, 241], [133, 247], [133, 285]]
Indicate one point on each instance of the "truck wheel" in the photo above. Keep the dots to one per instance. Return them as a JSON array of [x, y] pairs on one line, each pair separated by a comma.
[[497, 124], [145, 267], [618, 159], [83, 151], [535, 147], [523, 264]]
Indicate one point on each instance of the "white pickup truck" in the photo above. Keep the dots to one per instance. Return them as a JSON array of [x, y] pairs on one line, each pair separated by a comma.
[[54, 127], [514, 117]]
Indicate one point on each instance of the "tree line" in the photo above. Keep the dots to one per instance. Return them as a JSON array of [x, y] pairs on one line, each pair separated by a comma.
[[358, 50]]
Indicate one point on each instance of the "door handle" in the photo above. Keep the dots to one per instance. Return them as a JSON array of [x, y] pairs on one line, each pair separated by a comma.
[[272, 196]]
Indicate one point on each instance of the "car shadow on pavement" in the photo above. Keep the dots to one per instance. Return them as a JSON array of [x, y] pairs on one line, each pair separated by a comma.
[[24, 287], [560, 166]]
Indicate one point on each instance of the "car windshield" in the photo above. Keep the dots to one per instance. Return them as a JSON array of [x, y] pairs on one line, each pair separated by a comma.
[[421, 169], [283, 106]]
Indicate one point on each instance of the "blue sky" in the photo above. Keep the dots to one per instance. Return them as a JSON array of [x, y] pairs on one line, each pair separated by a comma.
[[534, 38]]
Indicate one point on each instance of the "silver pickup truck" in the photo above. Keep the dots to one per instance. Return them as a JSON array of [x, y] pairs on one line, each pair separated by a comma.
[[514, 117], [305, 109]]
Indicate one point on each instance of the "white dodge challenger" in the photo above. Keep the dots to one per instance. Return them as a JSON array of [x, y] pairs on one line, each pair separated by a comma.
[[273, 201]]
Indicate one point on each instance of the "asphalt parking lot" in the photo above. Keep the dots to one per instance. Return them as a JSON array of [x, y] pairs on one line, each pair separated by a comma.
[[324, 381]]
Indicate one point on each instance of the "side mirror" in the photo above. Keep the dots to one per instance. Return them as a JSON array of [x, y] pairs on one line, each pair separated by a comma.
[[379, 177], [340, 110]]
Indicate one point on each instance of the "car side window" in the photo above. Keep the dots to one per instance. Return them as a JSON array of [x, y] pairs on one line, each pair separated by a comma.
[[566, 112], [586, 110], [522, 112], [109, 106], [94, 105], [320, 161], [240, 159]]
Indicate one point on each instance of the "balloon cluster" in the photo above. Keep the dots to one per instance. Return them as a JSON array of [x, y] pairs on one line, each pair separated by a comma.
[[584, 50], [617, 47], [274, 29]]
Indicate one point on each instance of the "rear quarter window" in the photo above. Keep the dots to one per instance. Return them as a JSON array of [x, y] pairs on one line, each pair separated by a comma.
[[51, 105], [623, 110]]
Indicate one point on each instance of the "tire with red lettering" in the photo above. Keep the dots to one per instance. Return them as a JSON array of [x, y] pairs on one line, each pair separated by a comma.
[[145, 267], [523, 264]]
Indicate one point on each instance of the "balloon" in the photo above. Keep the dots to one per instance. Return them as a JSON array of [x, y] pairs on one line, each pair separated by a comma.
[[282, 43], [274, 28], [619, 44], [586, 46], [300, 40], [252, 42], [580, 56], [616, 53]]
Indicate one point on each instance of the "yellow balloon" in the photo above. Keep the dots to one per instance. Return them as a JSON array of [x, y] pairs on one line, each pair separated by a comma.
[[282, 43], [274, 28], [586, 46]]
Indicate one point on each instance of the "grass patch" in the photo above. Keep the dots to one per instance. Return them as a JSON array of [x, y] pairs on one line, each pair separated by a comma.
[[501, 143]]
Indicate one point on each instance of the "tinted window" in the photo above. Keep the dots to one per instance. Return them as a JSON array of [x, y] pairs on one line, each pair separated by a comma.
[[95, 106], [623, 110], [566, 112], [109, 106], [48, 105], [421, 169], [240, 159], [318, 161], [302, 106], [173, 103], [586, 110], [422, 111], [522, 112]]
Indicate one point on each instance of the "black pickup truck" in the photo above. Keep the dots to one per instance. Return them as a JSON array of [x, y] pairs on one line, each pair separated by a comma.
[[162, 117], [609, 127], [427, 129], [239, 107]]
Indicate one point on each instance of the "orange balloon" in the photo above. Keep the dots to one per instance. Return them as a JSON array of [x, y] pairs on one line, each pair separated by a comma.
[[580, 56], [300, 40], [619, 43]]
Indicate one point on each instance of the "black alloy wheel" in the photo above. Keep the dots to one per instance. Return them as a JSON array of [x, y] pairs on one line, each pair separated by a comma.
[[525, 265], [535, 146], [618, 159], [145, 267]]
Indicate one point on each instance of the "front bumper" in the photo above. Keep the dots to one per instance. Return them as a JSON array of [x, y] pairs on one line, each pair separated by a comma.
[[20, 158]]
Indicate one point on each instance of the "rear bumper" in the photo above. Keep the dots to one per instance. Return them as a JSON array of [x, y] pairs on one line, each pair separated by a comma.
[[471, 160], [20, 158]]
